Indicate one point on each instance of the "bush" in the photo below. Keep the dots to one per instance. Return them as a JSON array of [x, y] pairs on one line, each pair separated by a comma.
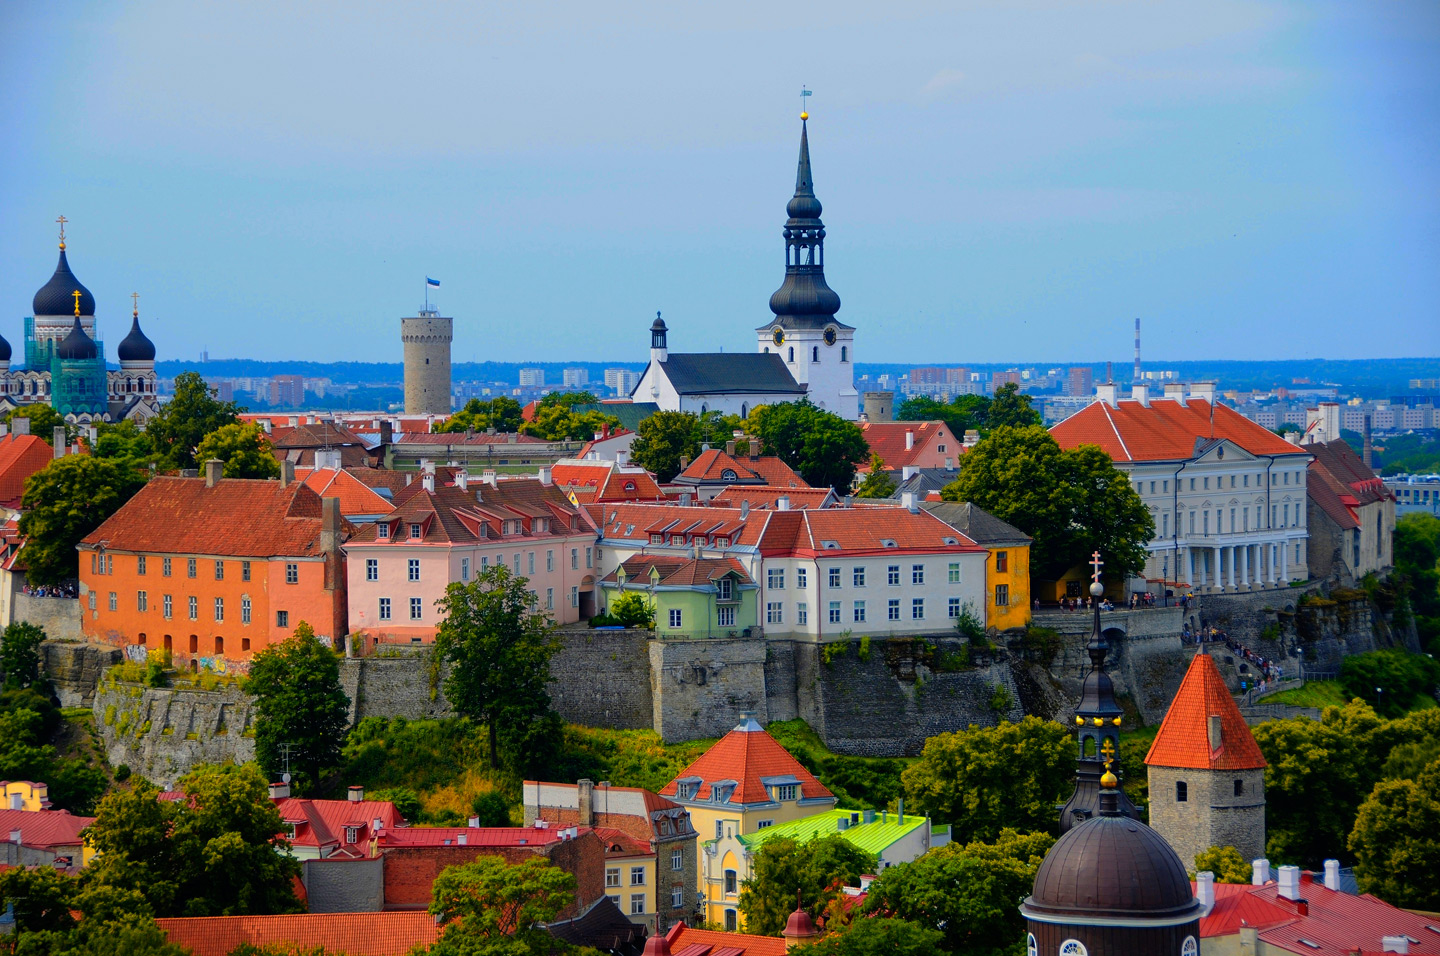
[[1391, 681], [970, 624], [491, 809], [122, 773], [407, 803], [632, 610]]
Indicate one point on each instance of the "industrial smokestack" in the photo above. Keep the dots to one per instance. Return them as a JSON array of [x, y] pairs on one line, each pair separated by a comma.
[[1368, 452], [1109, 372], [1137, 349]]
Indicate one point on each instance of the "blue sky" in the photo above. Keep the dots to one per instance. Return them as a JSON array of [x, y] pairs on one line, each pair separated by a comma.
[[1002, 181]]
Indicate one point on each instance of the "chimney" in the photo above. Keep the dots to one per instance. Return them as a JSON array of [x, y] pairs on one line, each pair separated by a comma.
[[1259, 872], [59, 440], [327, 459], [214, 471], [1290, 882], [462, 839], [782, 503], [488, 476], [462, 480], [294, 421], [622, 457], [356, 794], [20, 425], [1141, 394], [908, 472], [387, 433], [1175, 393], [1332, 875], [287, 473], [1368, 450], [1212, 729], [1394, 944], [744, 509], [730, 448], [15, 836], [1203, 390], [972, 437], [428, 480], [907, 501], [900, 811], [1205, 890], [545, 475], [684, 499], [909, 438], [92, 435], [684, 462], [329, 524], [1107, 392], [279, 791], [473, 823], [586, 788]]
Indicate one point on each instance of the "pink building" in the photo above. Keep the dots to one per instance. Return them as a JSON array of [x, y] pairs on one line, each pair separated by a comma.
[[399, 567]]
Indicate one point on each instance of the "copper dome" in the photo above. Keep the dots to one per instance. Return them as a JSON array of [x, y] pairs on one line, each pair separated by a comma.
[[1112, 867]]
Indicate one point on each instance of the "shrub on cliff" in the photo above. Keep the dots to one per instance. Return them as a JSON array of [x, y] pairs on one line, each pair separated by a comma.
[[1391, 681], [299, 703]]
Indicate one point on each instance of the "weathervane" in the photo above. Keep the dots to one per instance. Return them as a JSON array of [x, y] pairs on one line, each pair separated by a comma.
[[804, 93]]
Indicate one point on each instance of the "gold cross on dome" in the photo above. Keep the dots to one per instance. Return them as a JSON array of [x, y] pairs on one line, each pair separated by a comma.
[[1096, 563], [1107, 749], [76, 294], [135, 302]]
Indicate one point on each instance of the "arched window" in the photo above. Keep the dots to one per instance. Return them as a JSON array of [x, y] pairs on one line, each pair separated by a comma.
[[1073, 947], [730, 921], [844, 353], [1239, 788], [744, 410], [814, 353], [791, 359], [727, 475], [1182, 792], [1189, 947], [1031, 948], [1089, 745]]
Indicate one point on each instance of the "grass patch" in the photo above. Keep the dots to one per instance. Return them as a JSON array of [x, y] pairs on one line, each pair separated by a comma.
[[1315, 693], [860, 782]]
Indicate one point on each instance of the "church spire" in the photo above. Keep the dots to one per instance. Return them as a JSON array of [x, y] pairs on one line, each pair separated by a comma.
[[804, 300]]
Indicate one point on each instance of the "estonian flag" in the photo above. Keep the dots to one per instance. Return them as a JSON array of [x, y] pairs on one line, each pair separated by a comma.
[[432, 283]]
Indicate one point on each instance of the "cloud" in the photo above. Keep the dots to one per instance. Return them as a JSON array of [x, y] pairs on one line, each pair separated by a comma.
[[943, 82]]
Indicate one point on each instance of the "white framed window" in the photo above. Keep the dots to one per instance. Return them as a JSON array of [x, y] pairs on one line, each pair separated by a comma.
[[834, 611], [417, 609], [282, 618], [857, 577], [677, 896], [892, 608], [189, 567], [952, 610], [953, 575], [1073, 947], [413, 566], [292, 574], [677, 859], [166, 603], [384, 609], [612, 876], [574, 559], [677, 617], [114, 601], [575, 596], [142, 601], [589, 557], [372, 569], [244, 610], [1031, 948], [774, 612], [917, 609], [725, 616], [786, 791], [859, 612], [549, 560], [140, 564], [549, 599], [802, 578], [464, 569], [775, 579], [892, 575], [165, 567], [382, 531], [834, 577], [530, 562], [1189, 947], [637, 876], [637, 904], [219, 609], [194, 607], [1002, 595], [917, 574], [802, 613]]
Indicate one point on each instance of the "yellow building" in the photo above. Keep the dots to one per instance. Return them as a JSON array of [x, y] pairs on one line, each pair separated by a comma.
[[1007, 569], [745, 783], [24, 795], [37, 833]]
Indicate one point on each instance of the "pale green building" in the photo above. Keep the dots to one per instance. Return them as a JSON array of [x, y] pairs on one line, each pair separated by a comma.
[[692, 597]]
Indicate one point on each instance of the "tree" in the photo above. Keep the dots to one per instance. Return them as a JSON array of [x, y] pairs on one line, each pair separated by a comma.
[[569, 399], [556, 422], [969, 893], [877, 483], [985, 779], [1010, 409], [245, 450], [214, 853], [299, 701], [1071, 502], [662, 440], [43, 898], [499, 649], [960, 414], [65, 501], [632, 610], [193, 411], [20, 653], [875, 936], [491, 906], [823, 447], [125, 442], [500, 413], [1391, 681], [1225, 862], [42, 418], [1417, 569], [817, 868], [1396, 841]]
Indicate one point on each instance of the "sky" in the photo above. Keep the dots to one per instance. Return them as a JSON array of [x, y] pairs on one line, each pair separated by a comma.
[[1007, 181]]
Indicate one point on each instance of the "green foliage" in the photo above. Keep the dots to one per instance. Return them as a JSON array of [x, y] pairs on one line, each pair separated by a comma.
[[985, 779], [299, 701], [877, 483], [43, 420], [833, 651], [962, 413], [1417, 573], [212, 854], [113, 921], [43, 898], [557, 422], [1042, 642], [631, 609], [28, 720], [969, 624], [491, 808], [1415, 453], [823, 447], [499, 649], [193, 412], [491, 901], [1396, 841], [662, 440], [857, 782], [970, 893], [1000, 699], [20, 653], [407, 802], [1071, 502], [1225, 862], [65, 501], [1011, 409], [816, 868], [245, 450], [864, 651], [1391, 681], [875, 936], [124, 441], [500, 413]]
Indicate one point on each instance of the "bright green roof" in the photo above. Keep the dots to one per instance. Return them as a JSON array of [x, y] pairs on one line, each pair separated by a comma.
[[874, 837]]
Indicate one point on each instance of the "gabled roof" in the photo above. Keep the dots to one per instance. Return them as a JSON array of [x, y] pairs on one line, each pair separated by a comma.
[[473, 836], [887, 439], [322, 434], [1165, 430], [1340, 484], [602, 926], [729, 373], [1184, 736], [712, 465], [20, 457], [608, 480], [768, 496], [323, 822], [747, 756], [922, 482], [355, 934], [355, 496], [881, 529], [451, 515], [47, 829], [677, 571], [976, 523], [241, 517], [634, 521], [682, 940]]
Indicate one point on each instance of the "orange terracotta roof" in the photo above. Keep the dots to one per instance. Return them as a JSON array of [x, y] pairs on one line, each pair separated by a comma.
[[887, 439], [242, 517], [450, 514], [682, 940], [676, 570], [1165, 430], [608, 481], [710, 467], [355, 934], [20, 457], [473, 836], [634, 521], [323, 822], [870, 529], [766, 497], [620, 843], [747, 756], [1184, 740], [356, 497]]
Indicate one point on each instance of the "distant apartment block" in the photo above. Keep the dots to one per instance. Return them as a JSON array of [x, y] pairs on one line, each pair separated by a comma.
[[1426, 384], [532, 378], [575, 377], [287, 390], [1080, 382], [622, 381]]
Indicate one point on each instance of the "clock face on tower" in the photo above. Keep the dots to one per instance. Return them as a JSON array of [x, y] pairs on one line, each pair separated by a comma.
[[830, 335], [778, 336]]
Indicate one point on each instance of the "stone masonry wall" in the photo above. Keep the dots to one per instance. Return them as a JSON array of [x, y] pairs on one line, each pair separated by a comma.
[[700, 688], [344, 885], [1213, 814], [75, 669], [163, 732], [60, 617]]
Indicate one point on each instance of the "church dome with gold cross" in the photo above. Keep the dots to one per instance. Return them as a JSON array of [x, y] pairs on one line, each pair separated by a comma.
[[57, 297]]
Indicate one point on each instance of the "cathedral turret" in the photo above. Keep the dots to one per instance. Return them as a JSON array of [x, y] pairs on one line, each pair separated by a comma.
[[135, 349]]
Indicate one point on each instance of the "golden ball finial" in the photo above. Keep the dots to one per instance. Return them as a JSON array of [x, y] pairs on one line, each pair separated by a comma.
[[1109, 781], [804, 115]]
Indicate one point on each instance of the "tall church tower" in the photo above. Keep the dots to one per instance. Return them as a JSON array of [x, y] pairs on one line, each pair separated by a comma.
[[427, 338], [817, 349]]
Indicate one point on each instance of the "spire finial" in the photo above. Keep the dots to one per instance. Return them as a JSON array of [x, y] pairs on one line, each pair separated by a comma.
[[804, 94], [62, 221], [76, 294], [135, 302]]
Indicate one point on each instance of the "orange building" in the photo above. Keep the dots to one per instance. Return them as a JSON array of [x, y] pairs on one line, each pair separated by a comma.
[[214, 569]]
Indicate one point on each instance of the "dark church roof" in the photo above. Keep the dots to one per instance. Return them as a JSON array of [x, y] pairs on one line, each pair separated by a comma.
[[57, 297], [973, 522], [77, 345], [135, 347], [729, 373], [4, 349]]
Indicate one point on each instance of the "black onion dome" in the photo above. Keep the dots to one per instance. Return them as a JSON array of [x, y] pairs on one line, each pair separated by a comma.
[[1112, 867], [804, 300], [4, 349], [135, 347], [76, 345], [57, 297]]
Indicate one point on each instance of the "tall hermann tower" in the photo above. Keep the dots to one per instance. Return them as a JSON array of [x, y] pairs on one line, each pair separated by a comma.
[[818, 350], [427, 338]]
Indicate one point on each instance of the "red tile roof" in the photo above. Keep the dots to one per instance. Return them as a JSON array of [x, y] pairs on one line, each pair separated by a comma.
[[356, 497], [242, 517], [620, 843], [880, 529], [1183, 739], [676, 570], [20, 457], [1165, 430], [746, 756], [322, 822], [1340, 483], [682, 940], [609, 481], [46, 829], [765, 497], [637, 521], [710, 467], [449, 514], [887, 439], [355, 934], [473, 836]]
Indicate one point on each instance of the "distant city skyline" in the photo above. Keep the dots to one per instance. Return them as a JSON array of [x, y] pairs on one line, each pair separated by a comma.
[[1251, 180]]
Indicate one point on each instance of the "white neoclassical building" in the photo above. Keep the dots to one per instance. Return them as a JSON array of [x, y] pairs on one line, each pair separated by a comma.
[[1227, 495]]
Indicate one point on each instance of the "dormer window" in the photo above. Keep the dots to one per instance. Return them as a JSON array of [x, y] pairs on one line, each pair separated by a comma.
[[722, 542], [830, 545], [677, 539], [352, 834], [888, 543], [416, 530], [657, 539], [786, 791], [629, 486], [728, 474]]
